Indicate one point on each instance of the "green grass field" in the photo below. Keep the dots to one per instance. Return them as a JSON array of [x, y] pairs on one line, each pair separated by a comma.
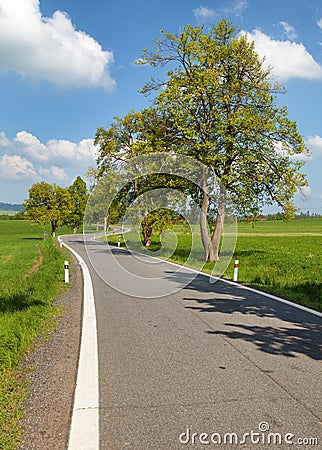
[[31, 276], [281, 258]]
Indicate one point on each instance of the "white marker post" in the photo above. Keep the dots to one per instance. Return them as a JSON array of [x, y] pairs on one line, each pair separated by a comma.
[[236, 270], [66, 272]]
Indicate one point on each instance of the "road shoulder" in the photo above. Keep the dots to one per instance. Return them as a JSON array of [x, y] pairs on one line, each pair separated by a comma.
[[51, 369]]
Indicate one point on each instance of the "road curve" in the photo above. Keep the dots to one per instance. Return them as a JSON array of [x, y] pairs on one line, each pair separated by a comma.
[[210, 364]]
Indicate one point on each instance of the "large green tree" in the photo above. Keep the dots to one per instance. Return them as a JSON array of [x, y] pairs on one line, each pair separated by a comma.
[[79, 196], [48, 203], [222, 109]]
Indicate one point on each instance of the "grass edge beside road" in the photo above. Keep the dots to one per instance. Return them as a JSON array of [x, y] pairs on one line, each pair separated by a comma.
[[28, 315]]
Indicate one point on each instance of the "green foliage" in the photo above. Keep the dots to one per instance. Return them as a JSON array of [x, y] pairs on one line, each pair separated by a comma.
[[79, 197], [155, 222], [135, 134], [218, 106], [224, 112], [12, 215], [99, 208], [48, 204]]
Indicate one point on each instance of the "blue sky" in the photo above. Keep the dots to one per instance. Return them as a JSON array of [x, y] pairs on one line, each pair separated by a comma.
[[67, 68]]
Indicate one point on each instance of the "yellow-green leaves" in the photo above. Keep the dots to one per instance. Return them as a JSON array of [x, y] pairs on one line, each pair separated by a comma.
[[224, 107]]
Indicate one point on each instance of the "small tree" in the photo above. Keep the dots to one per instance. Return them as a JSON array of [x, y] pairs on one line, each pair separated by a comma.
[[132, 145], [135, 134], [222, 109], [47, 203], [99, 209], [79, 196], [157, 221]]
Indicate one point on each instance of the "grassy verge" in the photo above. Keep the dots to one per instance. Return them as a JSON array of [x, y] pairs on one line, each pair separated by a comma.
[[284, 259], [31, 274]]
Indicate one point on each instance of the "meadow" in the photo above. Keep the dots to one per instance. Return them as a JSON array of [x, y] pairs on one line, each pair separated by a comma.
[[31, 276], [284, 259]]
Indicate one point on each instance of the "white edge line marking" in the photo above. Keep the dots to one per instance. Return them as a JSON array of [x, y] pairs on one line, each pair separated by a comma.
[[84, 431], [213, 279]]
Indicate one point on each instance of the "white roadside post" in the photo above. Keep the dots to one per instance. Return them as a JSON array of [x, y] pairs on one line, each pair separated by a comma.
[[236, 270], [66, 272]]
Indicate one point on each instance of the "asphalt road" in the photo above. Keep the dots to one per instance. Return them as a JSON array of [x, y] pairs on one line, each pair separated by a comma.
[[183, 370]]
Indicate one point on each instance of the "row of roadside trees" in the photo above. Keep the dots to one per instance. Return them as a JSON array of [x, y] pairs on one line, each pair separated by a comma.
[[50, 203], [217, 105]]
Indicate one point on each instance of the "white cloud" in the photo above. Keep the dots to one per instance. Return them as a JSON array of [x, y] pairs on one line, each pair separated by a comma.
[[290, 32], [315, 144], [4, 141], [50, 47], [25, 160], [30, 146], [81, 153], [54, 174], [288, 59], [285, 150], [236, 7], [25, 157], [319, 23], [240, 6], [305, 192], [15, 167], [204, 13]]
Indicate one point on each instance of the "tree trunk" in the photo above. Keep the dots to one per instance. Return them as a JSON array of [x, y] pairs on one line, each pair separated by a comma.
[[203, 213], [54, 226], [213, 254], [147, 241], [106, 224], [146, 231], [75, 228]]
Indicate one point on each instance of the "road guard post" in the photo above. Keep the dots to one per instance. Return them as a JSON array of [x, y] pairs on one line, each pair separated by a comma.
[[66, 272], [236, 269]]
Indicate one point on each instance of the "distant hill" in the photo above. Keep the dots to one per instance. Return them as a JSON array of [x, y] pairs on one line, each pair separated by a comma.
[[10, 207]]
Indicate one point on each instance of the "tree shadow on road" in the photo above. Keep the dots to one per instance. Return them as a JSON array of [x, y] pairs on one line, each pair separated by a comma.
[[278, 341], [296, 332]]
